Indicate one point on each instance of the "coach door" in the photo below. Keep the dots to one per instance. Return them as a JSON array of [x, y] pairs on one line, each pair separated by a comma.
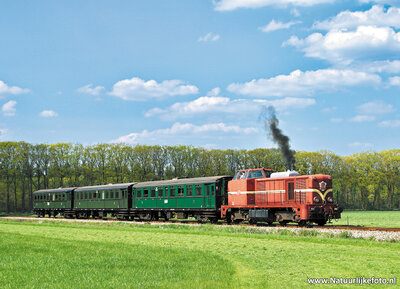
[[290, 191]]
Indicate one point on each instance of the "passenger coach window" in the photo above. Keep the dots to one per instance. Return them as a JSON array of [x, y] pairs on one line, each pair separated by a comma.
[[172, 191], [145, 193], [152, 193], [189, 190], [180, 191], [198, 190]]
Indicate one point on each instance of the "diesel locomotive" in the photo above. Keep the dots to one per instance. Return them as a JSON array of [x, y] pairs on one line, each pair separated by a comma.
[[252, 195]]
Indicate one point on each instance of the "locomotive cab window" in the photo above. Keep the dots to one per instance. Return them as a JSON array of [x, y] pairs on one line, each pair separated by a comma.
[[256, 174]]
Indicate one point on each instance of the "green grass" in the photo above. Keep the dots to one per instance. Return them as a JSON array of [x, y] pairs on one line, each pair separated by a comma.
[[51, 254], [370, 218]]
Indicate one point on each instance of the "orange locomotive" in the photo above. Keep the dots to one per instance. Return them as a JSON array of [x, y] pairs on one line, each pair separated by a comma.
[[265, 196]]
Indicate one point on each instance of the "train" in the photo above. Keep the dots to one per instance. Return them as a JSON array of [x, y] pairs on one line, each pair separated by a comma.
[[252, 195]]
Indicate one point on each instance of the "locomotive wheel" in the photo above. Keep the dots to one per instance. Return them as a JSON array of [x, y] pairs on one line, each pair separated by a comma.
[[302, 223], [283, 223], [213, 220], [321, 223]]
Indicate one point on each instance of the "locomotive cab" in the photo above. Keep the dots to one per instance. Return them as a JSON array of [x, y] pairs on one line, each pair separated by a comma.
[[241, 188]]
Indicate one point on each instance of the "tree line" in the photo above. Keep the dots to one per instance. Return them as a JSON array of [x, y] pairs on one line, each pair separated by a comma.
[[368, 180]]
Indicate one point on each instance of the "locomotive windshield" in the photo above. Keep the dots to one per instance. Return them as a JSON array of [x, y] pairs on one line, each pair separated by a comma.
[[256, 174]]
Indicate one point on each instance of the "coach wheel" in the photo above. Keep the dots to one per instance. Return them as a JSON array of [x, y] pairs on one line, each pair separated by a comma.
[[269, 223], [283, 223], [252, 222]]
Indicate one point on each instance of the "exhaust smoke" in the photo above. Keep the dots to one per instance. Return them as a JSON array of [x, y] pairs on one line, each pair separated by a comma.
[[271, 123]]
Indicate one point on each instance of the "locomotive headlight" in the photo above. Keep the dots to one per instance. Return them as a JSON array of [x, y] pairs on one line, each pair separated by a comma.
[[330, 200], [316, 200]]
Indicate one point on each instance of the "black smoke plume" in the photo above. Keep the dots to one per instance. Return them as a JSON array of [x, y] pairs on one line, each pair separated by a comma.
[[271, 123]]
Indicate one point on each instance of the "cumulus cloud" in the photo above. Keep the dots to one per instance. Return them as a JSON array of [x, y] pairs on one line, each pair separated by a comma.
[[5, 89], [376, 16], [140, 90], [88, 89], [363, 118], [209, 37], [183, 132], [390, 123], [366, 42], [336, 120], [8, 109], [385, 66], [361, 144], [214, 103], [304, 83], [394, 81], [48, 113], [229, 5], [277, 25], [375, 107]]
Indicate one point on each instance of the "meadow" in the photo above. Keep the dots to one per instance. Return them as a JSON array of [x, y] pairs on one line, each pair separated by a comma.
[[52, 254], [370, 219]]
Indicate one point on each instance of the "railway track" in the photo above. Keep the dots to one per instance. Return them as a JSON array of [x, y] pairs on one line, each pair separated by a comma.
[[188, 222]]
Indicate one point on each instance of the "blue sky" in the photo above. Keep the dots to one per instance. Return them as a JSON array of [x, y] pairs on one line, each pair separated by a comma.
[[199, 72]]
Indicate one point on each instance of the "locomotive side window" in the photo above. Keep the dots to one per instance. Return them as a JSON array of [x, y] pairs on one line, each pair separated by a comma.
[[291, 190]]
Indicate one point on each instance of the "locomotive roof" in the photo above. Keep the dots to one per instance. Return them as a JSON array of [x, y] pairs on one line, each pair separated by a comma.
[[105, 187], [58, 190], [183, 181]]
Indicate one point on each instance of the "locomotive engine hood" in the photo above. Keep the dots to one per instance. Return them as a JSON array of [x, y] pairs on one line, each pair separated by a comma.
[[284, 174]]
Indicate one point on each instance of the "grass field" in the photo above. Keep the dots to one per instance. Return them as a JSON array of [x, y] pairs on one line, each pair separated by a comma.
[[370, 218], [115, 255]]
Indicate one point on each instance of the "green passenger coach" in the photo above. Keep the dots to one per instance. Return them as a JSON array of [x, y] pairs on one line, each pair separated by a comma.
[[53, 202], [182, 198], [98, 201]]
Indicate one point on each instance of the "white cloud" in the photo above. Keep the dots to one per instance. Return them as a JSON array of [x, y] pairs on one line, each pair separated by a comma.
[[183, 132], [209, 37], [366, 42], [48, 113], [140, 90], [229, 5], [214, 103], [363, 118], [390, 123], [394, 81], [295, 12], [277, 25], [88, 89], [376, 16], [375, 107], [8, 109], [386, 66], [361, 144], [5, 89], [3, 131], [304, 83], [336, 120]]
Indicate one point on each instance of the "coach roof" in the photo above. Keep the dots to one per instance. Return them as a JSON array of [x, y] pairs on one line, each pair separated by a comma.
[[105, 187], [58, 190], [184, 181]]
